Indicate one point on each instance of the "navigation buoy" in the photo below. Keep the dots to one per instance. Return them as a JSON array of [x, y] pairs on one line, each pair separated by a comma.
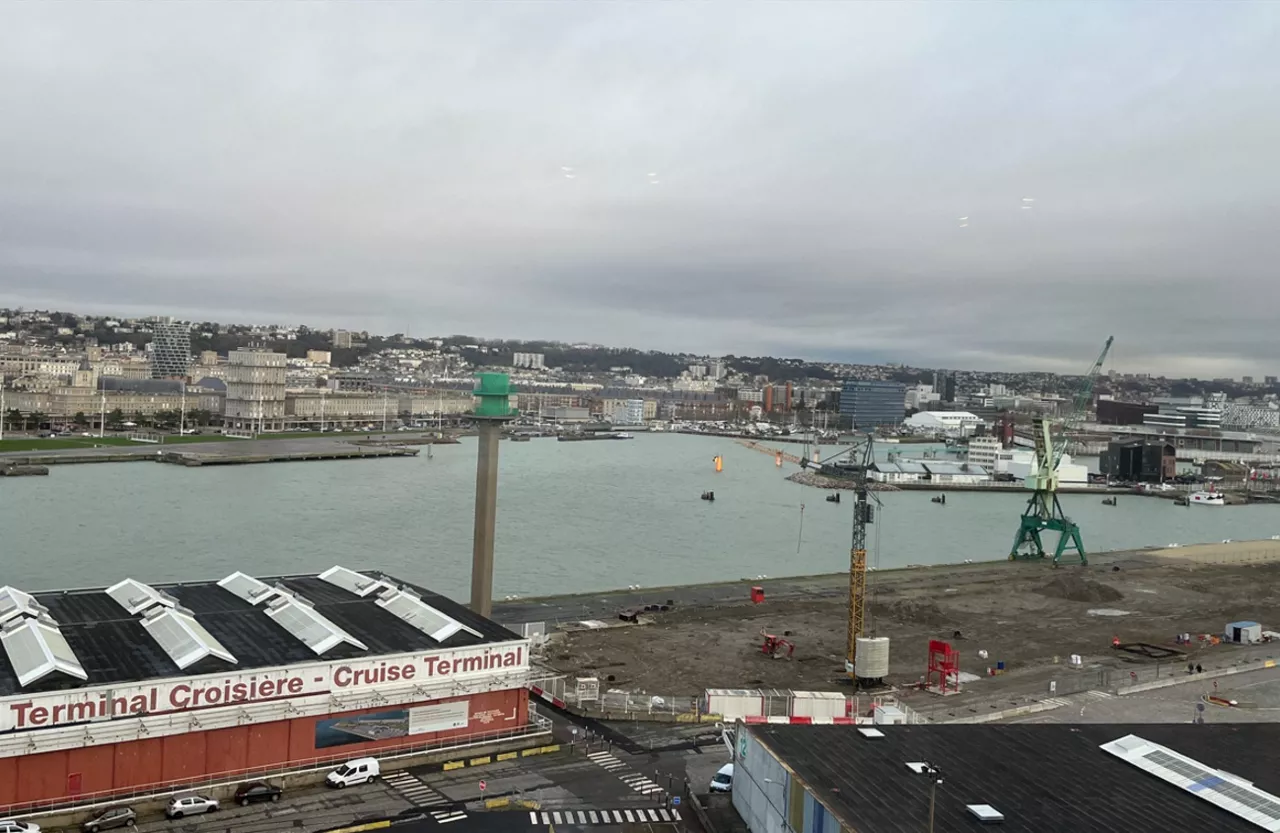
[[777, 459], [719, 463]]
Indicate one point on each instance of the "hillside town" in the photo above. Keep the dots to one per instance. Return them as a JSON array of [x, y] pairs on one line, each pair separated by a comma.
[[65, 373]]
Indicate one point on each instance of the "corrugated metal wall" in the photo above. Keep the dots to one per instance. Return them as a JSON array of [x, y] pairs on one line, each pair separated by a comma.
[[123, 766]]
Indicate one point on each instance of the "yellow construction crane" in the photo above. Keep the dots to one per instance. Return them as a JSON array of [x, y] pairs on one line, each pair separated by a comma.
[[864, 506]]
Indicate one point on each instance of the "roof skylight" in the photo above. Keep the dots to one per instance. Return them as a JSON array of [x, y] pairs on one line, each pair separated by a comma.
[[37, 648], [1218, 788], [248, 588], [308, 626], [410, 607], [183, 638], [15, 602], [135, 597], [353, 582]]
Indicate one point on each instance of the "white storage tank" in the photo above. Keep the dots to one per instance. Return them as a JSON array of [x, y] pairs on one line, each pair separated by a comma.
[[871, 660]]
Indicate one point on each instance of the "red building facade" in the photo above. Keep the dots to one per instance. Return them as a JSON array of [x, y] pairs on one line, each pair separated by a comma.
[[196, 756]]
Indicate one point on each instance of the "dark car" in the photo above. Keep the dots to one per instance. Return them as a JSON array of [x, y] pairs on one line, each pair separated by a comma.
[[247, 794], [111, 818]]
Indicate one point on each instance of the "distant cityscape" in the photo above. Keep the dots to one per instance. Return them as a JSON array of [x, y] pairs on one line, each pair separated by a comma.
[[63, 371]]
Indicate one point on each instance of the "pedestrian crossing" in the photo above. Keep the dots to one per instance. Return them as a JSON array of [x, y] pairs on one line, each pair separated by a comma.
[[1059, 702], [423, 796], [587, 817], [634, 780]]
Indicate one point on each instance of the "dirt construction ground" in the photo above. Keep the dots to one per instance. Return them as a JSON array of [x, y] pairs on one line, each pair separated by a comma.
[[1025, 614]]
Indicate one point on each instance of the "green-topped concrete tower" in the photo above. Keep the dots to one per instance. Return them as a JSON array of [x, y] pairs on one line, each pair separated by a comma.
[[493, 410]]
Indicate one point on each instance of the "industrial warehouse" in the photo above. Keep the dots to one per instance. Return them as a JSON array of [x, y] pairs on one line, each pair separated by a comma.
[[135, 687], [1150, 778]]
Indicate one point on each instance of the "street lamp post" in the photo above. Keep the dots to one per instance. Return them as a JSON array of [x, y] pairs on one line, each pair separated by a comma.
[[935, 778]]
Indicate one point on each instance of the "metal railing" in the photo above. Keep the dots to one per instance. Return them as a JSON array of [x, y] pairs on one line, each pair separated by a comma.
[[1070, 682], [537, 726]]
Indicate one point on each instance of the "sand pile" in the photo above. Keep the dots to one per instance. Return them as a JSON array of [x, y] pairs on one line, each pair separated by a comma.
[[1076, 588]]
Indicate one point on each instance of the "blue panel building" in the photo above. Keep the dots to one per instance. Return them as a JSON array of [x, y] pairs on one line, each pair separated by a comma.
[[871, 404]]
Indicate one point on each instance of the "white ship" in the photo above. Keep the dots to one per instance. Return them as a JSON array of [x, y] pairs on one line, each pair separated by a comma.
[[1206, 499]]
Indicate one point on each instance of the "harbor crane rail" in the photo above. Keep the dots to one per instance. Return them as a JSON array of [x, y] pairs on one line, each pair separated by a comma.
[[1044, 510]]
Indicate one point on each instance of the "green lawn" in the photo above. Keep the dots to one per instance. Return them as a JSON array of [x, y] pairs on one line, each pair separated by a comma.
[[33, 444]]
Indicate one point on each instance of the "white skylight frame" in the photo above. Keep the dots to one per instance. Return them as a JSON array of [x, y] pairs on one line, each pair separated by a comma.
[[49, 651], [309, 626], [409, 607], [252, 590], [1214, 786], [135, 597], [194, 642], [15, 603], [353, 582]]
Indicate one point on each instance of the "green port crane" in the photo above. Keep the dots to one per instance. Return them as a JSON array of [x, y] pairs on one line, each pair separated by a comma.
[[1044, 511]]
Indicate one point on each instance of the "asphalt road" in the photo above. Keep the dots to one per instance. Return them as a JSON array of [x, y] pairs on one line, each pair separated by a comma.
[[591, 777], [1258, 693]]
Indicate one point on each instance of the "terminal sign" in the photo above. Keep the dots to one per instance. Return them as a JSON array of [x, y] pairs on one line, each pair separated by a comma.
[[106, 703]]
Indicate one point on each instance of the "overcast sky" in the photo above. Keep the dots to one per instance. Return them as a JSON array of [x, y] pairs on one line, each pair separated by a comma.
[[784, 178]]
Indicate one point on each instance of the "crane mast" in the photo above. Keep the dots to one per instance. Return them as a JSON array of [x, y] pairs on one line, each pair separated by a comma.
[[1044, 510], [863, 514]]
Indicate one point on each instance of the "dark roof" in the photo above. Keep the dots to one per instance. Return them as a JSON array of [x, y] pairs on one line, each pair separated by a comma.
[[1042, 777], [113, 647]]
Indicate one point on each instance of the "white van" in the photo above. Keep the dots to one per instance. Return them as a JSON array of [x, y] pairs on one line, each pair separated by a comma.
[[722, 781], [359, 771]]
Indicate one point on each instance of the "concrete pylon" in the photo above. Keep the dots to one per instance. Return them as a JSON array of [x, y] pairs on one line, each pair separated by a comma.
[[492, 411]]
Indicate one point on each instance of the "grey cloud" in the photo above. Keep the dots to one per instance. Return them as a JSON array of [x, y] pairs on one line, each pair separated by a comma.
[[396, 165]]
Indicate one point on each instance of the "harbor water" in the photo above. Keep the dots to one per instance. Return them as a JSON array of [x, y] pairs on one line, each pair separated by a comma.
[[572, 517]]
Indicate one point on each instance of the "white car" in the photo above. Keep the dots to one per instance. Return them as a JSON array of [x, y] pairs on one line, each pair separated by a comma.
[[190, 805], [723, 780], [15, 826], [359, 771]]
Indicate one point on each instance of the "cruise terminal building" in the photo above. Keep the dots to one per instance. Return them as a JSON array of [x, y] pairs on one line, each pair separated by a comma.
[[136, 688]]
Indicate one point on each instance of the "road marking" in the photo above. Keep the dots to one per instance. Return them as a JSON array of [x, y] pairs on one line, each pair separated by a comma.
[[1056, 702], [1099, 695], [546, 818], [533, 817], [665, 815], [594, 818], [628, 814]]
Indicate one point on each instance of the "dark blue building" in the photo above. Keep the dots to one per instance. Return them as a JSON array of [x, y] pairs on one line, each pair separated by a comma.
[[871, 404]]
